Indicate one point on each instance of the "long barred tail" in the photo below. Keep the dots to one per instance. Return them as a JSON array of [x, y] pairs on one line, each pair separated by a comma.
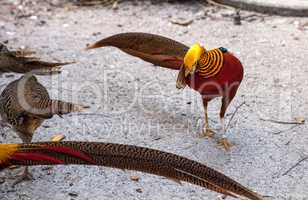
[[22, 61], [37, 67], [123, 157]]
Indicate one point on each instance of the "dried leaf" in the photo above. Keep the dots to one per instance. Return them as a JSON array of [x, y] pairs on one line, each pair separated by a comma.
[[135, 178], [300, 120], [57, 138]]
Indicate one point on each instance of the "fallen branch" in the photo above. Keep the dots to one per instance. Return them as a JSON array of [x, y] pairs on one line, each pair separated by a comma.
[[282, 131], [298, 122], [93, 114], [214, 3], [182, 23]]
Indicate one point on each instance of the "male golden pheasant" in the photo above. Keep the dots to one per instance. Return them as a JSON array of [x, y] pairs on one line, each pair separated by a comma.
[[25, 104], [213, 73], [22, 62], [123, 157]]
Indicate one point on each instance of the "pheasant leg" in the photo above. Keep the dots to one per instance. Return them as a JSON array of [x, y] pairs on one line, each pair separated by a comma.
[[223, 142], [207, 132], [25, 176]]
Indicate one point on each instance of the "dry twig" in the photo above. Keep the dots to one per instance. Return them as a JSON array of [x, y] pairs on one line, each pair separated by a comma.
[[182, 23], [298, 163], [233, 114], [285, 130], [298, 121]]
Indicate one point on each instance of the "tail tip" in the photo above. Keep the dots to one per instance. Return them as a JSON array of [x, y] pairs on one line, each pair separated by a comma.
[[94, 46], [80, 108], [89, 47], [66, 63]]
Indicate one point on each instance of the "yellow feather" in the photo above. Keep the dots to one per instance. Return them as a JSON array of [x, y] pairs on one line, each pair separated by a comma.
[[193, 55], [6, 151]]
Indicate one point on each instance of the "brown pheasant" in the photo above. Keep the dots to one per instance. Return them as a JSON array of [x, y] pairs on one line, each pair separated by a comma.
[[25, 104], [23, 62], [123, 157]]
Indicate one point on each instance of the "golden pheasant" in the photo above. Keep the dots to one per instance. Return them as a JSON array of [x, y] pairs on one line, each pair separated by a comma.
[[25, 104], [123, 157], [213, 73], [22, 62]]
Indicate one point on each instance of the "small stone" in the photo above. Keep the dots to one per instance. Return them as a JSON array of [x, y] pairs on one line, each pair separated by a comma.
[[10, 33], [73, 194], [41, 23], [2, 180], [139, 190], [33, 17], [96, 33]]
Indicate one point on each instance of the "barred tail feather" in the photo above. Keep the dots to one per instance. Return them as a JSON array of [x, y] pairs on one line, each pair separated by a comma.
[[44, 68], [128, 157], [58, 107]]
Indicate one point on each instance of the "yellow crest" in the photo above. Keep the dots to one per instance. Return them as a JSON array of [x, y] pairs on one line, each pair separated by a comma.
[[192, 56]]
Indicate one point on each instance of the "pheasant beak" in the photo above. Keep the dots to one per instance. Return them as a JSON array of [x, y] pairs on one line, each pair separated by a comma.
[[187, 72], [190, 71]]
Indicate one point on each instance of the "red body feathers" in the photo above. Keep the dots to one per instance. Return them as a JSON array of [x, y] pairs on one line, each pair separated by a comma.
[[226, 81]]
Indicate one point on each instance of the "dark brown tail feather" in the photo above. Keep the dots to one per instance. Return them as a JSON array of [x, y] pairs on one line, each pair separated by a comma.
[[155, 49], [132, 158]]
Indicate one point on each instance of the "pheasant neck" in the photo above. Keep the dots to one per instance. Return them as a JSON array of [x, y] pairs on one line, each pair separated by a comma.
[[210, 63]]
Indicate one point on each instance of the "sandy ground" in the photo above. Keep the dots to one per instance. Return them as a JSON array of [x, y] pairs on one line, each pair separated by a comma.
[[133, 102]]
